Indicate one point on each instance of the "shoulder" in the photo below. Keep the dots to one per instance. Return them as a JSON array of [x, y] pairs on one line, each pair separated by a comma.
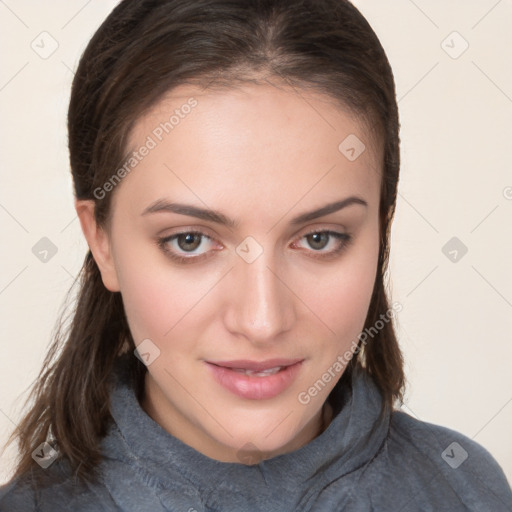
[[448, 460], [52, 489], [446, 445]]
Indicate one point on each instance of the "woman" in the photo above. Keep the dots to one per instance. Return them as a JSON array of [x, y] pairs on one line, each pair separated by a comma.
[[257, 369]]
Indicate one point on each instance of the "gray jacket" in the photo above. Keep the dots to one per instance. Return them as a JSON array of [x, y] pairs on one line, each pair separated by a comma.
[[360, 463]]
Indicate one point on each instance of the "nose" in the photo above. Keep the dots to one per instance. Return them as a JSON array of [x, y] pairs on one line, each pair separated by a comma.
[[261, 306]]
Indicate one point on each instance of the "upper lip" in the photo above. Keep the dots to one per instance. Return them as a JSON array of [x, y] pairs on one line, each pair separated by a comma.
[[256, 366]]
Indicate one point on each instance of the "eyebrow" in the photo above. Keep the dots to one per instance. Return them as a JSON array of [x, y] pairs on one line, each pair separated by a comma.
[[163, 205]]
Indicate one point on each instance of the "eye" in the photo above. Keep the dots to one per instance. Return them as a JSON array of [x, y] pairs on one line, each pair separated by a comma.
[[187, 242], [319, 240]]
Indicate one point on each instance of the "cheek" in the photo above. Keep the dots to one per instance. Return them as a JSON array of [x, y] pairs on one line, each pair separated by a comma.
[[160, 301], [151, 298], [341, 295], [145, 306], [352, 290]]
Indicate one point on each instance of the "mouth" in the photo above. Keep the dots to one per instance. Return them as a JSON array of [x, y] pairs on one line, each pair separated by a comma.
[[255, 380]]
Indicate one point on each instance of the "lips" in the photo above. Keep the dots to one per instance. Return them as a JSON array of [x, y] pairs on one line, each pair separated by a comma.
[[255, 380]]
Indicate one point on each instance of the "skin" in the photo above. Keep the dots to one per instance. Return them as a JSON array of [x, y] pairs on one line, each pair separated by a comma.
[[261, 155]]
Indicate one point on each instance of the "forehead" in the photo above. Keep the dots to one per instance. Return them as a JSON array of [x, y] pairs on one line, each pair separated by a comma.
[[282, 142], [304, 112]]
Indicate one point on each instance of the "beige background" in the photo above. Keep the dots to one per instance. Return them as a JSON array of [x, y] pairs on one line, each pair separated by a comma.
[[456, 181]]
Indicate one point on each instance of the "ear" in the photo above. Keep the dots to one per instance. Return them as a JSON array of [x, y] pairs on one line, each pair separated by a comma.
[[99, 243]]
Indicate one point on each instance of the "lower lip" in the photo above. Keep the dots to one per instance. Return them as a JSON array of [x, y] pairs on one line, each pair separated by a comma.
[[255, 388]]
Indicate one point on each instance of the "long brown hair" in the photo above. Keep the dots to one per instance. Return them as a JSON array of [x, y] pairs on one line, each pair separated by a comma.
[[140, 52]]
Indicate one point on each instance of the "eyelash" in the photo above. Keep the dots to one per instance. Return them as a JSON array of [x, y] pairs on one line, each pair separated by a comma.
[[345, 238]]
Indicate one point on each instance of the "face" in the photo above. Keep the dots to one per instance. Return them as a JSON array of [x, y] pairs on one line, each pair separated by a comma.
[[261, 284]]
